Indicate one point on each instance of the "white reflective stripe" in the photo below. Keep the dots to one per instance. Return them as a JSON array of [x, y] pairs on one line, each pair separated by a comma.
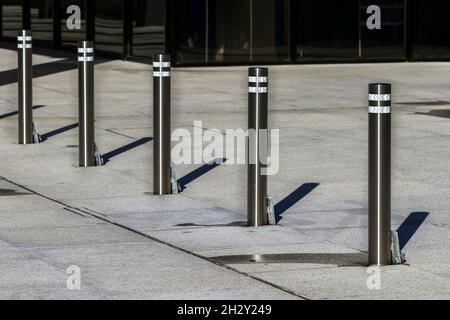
[[379, 109], [257, 79], [85, 50], [257, 89], [27, 46], [161, 64], [83, 59], [379, 97], [27, 38], [161, 73]]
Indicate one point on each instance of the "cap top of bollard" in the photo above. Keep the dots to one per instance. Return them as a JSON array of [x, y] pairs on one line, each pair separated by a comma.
[[258, 72], [380, 88], [162, 58], [85, 44], [24, 33]]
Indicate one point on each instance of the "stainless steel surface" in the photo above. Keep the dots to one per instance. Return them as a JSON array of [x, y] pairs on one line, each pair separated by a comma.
[[86, 104], [257, 120], [25, 82], [379, 174], [161, 125]]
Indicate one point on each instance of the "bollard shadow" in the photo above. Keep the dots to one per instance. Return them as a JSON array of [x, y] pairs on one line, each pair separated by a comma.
[[285, 204], [410, 226], [43, 69], [39, 70], [114, 153], [197, 173], [14, 113], [50, 134]]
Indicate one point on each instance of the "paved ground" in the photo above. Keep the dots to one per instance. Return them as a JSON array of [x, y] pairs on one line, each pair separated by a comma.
[[130, 244]]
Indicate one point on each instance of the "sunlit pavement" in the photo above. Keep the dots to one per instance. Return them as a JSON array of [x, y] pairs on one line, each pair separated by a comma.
[[127, 243]]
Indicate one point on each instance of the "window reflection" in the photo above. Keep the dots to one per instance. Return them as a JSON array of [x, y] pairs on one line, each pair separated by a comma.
[[12, 17], [387, 42], [326, 30], [191, 35], [109, 25], [71, 37], [42, 19], [431, 32], [148, 28]]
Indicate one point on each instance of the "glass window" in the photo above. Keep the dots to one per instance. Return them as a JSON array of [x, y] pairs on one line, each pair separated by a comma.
[[148, 28], [269, 30], [388, 42], [229, 30], [190, 20], [42, 19], [431, 32], [326, 30], [71, 37], [12, 17], [109, 26]]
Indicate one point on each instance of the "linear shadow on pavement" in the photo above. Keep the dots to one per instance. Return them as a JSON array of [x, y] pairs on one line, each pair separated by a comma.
[[108, 156], [50, 134], [285, 204], [410, 226], [14, 113], [197, 173]]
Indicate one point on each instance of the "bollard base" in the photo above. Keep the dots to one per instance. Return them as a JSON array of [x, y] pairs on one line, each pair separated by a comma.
[[271, 218], [36, 136], [397, 257], [174, 185], [98, 157]]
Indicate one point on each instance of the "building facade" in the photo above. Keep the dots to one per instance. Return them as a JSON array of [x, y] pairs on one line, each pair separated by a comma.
[[231, 32]]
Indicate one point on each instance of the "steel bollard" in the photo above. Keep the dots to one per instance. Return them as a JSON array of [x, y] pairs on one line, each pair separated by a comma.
[[27, 131], [88, 154], [256, 155], [162, 173], [380, 174]]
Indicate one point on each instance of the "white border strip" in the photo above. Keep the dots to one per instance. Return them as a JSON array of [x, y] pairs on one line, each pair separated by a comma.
[[158, 64], [163, 74], [379, 97], [85, 50], [257, 79], [27, 38], [380, 110], [27, 46], [257, 89], [85, 59]]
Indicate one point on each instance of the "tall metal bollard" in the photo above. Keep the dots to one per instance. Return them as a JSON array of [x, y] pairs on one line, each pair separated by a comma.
[[162, 174], [380, 174], [87, 149], [256, 155], [25, 81]]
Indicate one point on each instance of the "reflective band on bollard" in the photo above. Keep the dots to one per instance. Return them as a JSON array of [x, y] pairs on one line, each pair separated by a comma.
[[161, 125], [86, 103], [379, 174], [257, 120], [25, 81]]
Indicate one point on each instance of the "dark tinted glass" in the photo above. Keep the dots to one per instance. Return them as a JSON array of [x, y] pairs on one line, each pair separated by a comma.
[[431, 31], [12, 17], [109, 26], [190, 22], [148, 28], [71, 37], [326, 29], [389, 41], [42, 19], [229, 30], [269, 30]]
